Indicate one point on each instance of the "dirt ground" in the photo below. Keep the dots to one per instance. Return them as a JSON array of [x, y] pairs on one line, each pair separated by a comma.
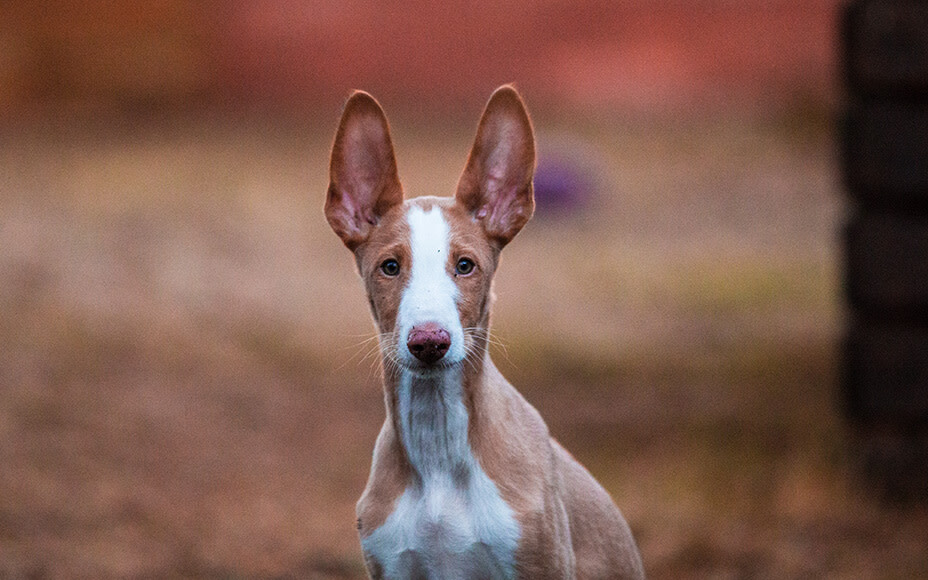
[[187, 388]]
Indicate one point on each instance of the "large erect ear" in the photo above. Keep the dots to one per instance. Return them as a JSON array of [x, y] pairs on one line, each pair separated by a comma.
[[496, 186], [363, 183]]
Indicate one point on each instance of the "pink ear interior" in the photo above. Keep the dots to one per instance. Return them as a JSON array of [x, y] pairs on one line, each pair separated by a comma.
[[496, 185], [363, 180]]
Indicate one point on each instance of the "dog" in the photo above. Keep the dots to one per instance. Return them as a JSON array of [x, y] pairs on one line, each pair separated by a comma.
[[466, 481]]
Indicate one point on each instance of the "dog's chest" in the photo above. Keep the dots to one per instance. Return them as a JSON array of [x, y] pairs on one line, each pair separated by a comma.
[[439, 531], [451, 522]]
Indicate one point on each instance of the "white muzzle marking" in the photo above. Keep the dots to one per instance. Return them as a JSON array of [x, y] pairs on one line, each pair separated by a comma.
[[431, 295]]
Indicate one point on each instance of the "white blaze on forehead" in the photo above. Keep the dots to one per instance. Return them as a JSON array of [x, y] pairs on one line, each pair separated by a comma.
[[431, 295]]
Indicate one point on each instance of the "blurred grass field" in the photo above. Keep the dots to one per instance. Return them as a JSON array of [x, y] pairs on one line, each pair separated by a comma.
[[186, 390]]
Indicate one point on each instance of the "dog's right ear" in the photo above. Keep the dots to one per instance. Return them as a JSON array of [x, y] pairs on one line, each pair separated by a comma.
[[496, 186], [363, 181]]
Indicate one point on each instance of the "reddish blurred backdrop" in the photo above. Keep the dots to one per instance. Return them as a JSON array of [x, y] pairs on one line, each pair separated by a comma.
[[670, 56]]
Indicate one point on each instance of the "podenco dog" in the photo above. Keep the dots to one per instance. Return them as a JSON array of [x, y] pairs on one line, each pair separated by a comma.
[[466, 481]]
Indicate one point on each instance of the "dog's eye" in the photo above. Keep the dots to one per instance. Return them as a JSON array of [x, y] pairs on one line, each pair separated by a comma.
[[464, 267], [390, 267]]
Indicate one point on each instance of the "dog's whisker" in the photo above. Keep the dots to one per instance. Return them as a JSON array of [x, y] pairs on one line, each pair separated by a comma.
[[494, 340], [355, 346], [359, 355]]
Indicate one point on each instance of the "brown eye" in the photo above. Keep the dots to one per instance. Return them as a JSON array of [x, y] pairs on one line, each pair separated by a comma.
[[390, 268], [464, 267]]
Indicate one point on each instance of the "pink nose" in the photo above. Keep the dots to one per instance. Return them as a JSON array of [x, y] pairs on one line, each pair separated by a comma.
[[428, 342]]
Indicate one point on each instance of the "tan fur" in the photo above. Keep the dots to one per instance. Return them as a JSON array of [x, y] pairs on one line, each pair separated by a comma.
[[388, 478], [569, 526]]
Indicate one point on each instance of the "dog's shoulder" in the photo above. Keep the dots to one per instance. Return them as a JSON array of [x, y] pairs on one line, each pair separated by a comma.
[[602, 541]]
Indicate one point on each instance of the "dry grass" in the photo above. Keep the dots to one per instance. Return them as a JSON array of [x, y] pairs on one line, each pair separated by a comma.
[[185, 392]]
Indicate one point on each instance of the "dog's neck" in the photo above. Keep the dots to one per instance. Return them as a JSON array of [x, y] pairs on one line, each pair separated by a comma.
[[434, 413]]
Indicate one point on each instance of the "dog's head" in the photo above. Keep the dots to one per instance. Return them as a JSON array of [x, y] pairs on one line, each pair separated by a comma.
[[428, 262]]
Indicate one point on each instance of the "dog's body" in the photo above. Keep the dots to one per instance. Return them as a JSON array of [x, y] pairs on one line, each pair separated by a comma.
[[466, 481]]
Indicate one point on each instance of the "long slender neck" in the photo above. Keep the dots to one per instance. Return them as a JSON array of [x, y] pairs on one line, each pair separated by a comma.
[[433, 415]]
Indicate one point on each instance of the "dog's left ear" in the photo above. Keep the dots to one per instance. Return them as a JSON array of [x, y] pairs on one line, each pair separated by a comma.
[[496, 186]]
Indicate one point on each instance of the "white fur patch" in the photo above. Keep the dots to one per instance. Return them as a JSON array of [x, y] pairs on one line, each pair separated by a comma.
[[451, 522], [431, 295]]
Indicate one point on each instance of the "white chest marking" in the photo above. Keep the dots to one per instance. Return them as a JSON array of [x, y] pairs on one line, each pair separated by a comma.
[[431, 295], [451, 522]]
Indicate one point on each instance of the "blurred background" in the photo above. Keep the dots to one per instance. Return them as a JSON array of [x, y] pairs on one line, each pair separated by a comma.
[[186, 385]]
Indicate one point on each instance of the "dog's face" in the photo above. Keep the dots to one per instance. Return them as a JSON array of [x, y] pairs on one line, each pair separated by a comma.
[[428, 263]]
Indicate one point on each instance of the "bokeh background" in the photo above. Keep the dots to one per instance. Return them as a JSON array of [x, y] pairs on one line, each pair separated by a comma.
[[187, 388]]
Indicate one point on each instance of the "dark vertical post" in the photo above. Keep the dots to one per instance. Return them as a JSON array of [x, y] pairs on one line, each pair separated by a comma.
[[885, 170]]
